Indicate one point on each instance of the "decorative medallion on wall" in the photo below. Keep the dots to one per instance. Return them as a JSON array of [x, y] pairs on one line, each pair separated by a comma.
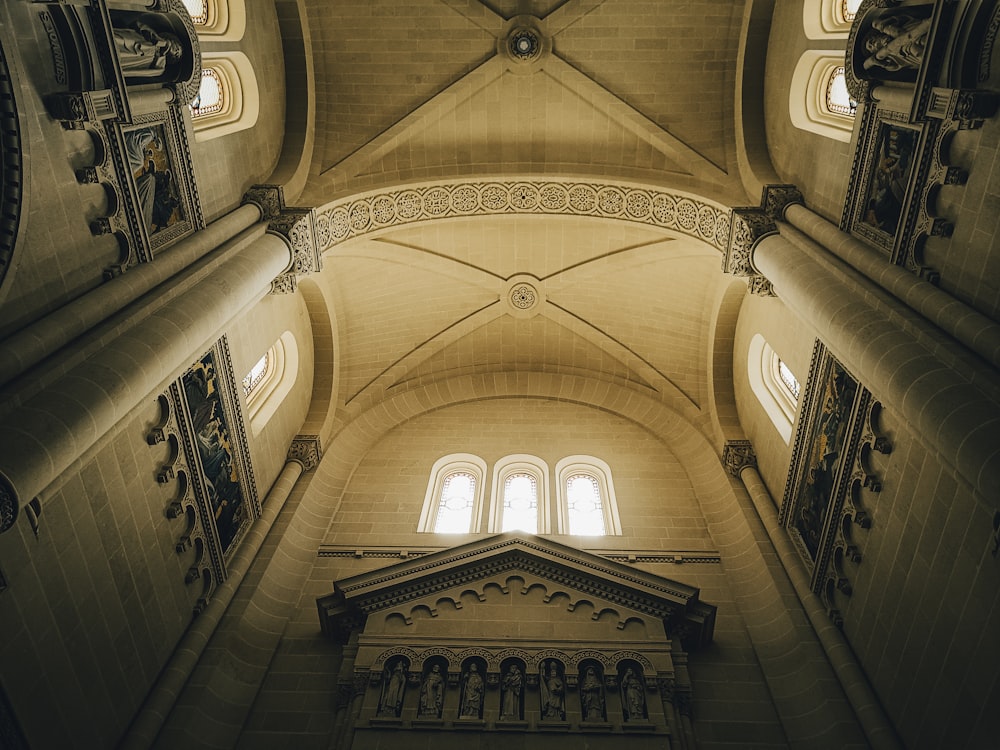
[[823, 503], [210, 463], [523, 296], [353, 217], [524, 43]]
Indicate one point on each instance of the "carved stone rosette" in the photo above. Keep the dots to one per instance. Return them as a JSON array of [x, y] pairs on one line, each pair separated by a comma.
[[738, 455], [306, 450], [747, 227]]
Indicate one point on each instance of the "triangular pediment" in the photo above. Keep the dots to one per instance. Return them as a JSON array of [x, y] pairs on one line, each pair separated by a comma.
[[531, 558]]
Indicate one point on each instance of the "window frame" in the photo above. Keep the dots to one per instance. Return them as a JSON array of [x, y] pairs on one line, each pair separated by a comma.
[[515, 464], [283, 368], [808, 105], [599, 470], [766, 383], [241, 96], [442, 469], [227, 21], [825, 20]]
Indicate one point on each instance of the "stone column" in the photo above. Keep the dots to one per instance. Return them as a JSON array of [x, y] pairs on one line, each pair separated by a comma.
[[977, 332], [953, 415], [31, 345], [303, 456], [740, 461], [43, 436]]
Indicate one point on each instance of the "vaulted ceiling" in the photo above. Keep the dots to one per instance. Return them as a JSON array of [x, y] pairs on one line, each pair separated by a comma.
[[627, 92]]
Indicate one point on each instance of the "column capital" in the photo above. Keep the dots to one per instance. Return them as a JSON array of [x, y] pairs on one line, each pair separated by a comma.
[[296, 226], [776, 198], [747, 227], [8, 504], [738, 455], [306, 450]]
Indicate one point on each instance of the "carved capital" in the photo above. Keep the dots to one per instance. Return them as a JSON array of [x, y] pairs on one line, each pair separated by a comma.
[[748, 226], [269, 198], [8, 504], [738, 455], [298, 227], [284, 284], [306, 450], [776, 198], [760, 286]]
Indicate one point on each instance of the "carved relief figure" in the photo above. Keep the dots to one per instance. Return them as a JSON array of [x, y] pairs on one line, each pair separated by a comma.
[[592, 696], [472, 695], [553, 690], [432, 693], [633, 696], [897, 42], [510, 701], [144, 52], [392, 692]]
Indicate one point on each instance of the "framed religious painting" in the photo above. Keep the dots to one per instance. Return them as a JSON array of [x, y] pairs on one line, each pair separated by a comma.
[[156, 165], [883, 198]]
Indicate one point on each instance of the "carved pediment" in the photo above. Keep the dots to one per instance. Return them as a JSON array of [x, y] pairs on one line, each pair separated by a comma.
[[451, 572]]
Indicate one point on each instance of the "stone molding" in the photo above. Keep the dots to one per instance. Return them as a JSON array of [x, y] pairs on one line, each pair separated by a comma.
[[364, 214]]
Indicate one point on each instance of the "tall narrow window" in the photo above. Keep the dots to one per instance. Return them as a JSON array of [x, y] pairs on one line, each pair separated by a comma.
[[458, 495], [818, 99], [838, 100], [257, 373], [520, 503], [218, 20], [773, 383], [454, 498], [520, 495], [584, 507], [270, 380], [198, 9], [586, 500], [211, 98], [849, 9], [829, 19]]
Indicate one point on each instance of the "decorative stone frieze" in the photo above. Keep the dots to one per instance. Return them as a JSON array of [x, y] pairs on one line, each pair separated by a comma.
[[306, 450], [738, 455]]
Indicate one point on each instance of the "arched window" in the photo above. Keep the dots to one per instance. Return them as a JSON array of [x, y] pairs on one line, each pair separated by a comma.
[[773, 383], [520, 495], [228, 100], [818, 98], [269, 381], [454, 499], [829, 19], [586, 500], [218, 20]]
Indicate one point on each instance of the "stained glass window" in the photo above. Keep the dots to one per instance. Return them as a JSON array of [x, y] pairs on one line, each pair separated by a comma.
[[520, 503], [584, 507], [198, 10], [788, 380], [849, 9], [211, 96], [458, 493], [256, 375], [838, 100]]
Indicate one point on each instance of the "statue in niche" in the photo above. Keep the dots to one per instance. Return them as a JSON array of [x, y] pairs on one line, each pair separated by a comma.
[[633, 696], [472, 694], [432, 693], [553, 689], [143, 52], [510, 701], [392, 694], [897, 42], [592, 696]]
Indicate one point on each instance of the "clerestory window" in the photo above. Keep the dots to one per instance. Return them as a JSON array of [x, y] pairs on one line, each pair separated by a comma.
[[453, 503], [775, 385]]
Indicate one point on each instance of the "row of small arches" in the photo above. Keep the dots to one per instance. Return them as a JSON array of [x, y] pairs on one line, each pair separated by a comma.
[[590, 691]]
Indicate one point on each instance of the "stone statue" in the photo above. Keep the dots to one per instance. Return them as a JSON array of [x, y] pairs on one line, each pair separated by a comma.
[[432, 693], [392, 693], [144, 52], [592, 696], [510, 702], [472, 696], [633, 696], [897, 42], [553, 690]]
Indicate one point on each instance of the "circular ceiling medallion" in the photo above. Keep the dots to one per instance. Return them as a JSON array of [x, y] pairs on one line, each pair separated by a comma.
[[523, 296], [524, 43]]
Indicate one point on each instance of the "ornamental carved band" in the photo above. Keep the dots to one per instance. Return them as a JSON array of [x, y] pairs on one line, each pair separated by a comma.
[[749, 226], [738, 455], [306, 450], [355, 217], [777, 198]]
